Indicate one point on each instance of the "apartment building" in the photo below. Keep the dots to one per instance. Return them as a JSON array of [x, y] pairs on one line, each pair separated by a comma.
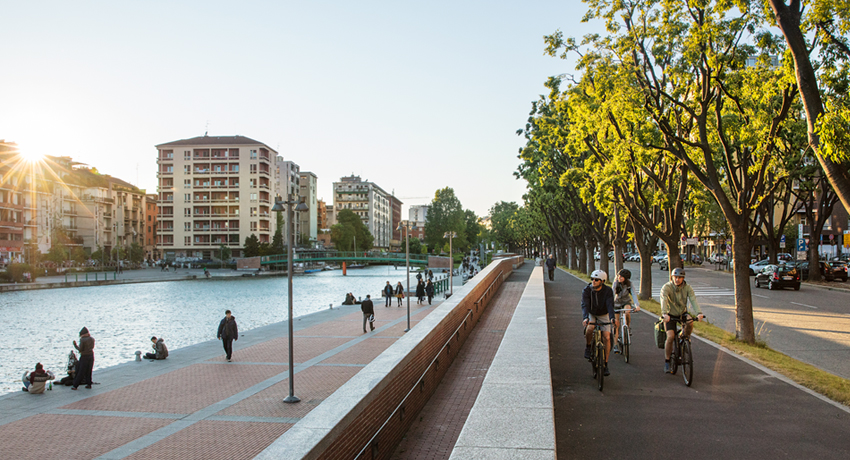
[[396, 241], [370, 202], [309, 220], [288, 177], [417, 215], [14, 211], [151, 251], [218, 190]]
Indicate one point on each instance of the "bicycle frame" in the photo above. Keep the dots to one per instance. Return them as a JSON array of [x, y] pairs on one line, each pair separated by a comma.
[[597, 357], [623, 339]]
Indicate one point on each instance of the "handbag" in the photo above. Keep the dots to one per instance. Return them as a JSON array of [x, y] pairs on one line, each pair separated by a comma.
[[660, 333]]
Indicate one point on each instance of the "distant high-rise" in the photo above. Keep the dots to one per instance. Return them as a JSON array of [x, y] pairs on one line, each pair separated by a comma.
[[370, 202]]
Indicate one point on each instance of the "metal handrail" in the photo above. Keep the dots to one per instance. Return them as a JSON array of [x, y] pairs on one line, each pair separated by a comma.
[[487, 291], [418, 382]]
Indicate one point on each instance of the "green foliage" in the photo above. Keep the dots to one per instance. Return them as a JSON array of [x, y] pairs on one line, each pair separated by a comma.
[[225, 253], [445, 215], [350, 230], [136, 253], [251, 247], [415, 246], [15, 272]]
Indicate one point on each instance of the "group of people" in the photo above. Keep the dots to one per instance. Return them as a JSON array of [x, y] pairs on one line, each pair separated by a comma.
[[599, 301], [389, 292]]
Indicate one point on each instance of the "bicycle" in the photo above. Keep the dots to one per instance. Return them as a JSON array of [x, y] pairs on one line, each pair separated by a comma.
[[682, 355], [624, 338], [597, 355]]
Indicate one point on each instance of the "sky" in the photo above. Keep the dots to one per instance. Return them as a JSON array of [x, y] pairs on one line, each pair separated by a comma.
[[414, 96]]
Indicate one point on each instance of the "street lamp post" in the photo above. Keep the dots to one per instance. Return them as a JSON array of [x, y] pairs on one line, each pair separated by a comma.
[[451, 235], [405, 225], [278, 207]]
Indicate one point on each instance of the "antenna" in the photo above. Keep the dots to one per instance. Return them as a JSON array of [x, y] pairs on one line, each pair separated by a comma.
[[207, 128]]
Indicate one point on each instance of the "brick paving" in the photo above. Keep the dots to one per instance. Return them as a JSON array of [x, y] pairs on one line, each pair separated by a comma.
[[433, 435], [194, 405]]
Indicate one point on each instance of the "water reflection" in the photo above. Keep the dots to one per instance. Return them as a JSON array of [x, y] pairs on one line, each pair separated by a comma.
[[40, 325]]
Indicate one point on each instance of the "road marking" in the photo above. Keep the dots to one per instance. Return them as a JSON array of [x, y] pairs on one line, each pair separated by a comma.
[[804, 305], [762, 296]]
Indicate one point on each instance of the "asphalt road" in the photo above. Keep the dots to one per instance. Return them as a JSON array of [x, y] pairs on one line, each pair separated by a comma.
[[732, 410], [812, 324]]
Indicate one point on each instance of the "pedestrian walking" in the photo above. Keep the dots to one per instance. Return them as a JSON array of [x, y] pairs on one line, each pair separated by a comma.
[[420, 292], [228, 331], [86, 361], [550, 265], [388, 294], [399, 292], [368, 313], [429, 291]]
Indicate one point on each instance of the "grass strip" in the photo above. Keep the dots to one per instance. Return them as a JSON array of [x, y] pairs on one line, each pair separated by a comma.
[[818, 380]]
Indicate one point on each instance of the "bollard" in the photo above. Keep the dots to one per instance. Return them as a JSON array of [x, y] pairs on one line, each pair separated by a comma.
[[66, 276], [87, 276], [76, 277], [138, 355], [331, 305]]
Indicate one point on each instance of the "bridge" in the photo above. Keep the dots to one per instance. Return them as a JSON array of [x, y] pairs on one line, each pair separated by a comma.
[[346, 256]]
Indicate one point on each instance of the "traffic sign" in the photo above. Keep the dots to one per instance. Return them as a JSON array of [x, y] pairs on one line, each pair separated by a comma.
[[831, 237], [782, 239], [801, 245]]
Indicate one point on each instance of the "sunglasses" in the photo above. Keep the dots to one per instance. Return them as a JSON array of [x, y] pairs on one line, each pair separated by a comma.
[[595, 279]]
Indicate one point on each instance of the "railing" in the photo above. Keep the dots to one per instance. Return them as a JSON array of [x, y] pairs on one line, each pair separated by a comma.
[[420, 381], [347, 255], [488, 291]]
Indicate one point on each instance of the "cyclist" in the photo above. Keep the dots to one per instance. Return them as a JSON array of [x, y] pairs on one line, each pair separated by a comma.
[[597, 299], [674, 304], [623, 298]]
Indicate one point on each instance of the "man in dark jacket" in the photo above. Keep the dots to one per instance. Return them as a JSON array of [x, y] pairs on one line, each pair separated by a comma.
[[388, 294], [550, 265], [597, 300], [160, 350], [86, 362], [368, 313], [228, 332]]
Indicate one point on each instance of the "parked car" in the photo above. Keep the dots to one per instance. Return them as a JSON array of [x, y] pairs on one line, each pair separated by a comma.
[[657, 257], [758, 266], [784, 257], [839, 270], [827, 273], [717, 258], [778, 276], [634, 257], [663, 265], [696, 259]]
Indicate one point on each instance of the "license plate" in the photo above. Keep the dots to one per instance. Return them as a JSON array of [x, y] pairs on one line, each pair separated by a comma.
[[787, 278]]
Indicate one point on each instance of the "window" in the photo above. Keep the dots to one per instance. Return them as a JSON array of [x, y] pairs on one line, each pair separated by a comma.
[[187, 211], [253, 211], [169, 168], [253, 226], [187, 197], [253, 183], [187, 240], [187, 226], [149, 218], [234, 168], [253, 169], [253, 197], [253, 154], [187, 155], [187, 169], [187, 183], [149, 228]]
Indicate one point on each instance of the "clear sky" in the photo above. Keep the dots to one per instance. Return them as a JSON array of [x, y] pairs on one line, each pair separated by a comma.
[[414, 96]]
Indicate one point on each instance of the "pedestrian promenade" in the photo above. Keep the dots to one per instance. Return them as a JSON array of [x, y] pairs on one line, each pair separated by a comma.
[[194, 405], [734, 409]]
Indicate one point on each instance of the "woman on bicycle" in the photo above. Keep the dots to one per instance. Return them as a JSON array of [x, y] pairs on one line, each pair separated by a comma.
[[674, 305], [623, 298]]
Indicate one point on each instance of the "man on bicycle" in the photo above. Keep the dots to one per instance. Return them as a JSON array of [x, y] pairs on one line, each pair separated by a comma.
[[674, 305], [623, 298], [597, 299]]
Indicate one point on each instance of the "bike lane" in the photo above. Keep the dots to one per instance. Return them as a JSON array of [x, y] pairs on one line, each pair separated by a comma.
[[732, 410]]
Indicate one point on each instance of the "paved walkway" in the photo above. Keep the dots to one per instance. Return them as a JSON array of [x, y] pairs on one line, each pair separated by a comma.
[[733, 410], [433, 435], [194, 405]]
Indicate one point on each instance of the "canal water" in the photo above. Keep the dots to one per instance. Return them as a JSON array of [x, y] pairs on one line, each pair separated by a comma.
[[39, 326]]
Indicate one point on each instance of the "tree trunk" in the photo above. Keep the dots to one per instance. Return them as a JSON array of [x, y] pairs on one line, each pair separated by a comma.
[[574, 258], [645, 242], [674, 257], [582, 259], [741, 246], [591, 262], [788, 18]]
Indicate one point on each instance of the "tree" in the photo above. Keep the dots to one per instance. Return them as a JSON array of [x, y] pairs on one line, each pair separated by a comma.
[[136, 253], [350, 230], [224, 253], [829, 136], [473, 229], [415, 246], [445, 215], [58, 253], [252, 246]]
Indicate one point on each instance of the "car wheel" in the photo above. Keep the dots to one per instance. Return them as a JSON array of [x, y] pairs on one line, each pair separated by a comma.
[[752, 273], [771, 286], [758, 285]]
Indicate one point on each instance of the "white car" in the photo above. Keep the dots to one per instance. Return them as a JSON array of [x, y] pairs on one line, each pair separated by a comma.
[[758, 266], [657, 258]]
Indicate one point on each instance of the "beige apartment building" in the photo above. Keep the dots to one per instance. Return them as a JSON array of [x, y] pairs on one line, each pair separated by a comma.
[[218, 190], [370, 202], [308, 192]]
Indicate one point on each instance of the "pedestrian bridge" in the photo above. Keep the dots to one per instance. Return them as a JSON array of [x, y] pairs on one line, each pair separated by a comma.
[[347, 256]]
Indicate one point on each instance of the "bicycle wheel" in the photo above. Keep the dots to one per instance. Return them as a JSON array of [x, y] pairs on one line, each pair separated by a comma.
[[593, 362], [600, 366], [674, 360], [624, 347], [687, 363]]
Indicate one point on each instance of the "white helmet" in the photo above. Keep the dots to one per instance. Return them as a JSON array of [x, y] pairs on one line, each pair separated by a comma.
[[600, 275]]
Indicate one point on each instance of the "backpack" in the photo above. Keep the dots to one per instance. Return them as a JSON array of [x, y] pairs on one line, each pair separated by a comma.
[[660, 333]]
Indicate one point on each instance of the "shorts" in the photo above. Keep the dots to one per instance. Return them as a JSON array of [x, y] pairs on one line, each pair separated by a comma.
[[671, 325], [591, 318]]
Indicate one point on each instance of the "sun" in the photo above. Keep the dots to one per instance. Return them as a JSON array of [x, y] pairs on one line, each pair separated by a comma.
[[30, 156]]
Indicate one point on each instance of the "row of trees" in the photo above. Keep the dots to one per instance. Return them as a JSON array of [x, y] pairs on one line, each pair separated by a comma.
[[687, 118]]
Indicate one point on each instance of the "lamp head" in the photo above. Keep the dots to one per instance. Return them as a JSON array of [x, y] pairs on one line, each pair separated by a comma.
[[278, 204], [302, 206]]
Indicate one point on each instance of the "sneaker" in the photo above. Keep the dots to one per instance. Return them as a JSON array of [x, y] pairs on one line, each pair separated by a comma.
[[616, 350], [74, 388], [25, 389], [228, 360], [587, 352], [88, 386], [605, 372], [666, 367]]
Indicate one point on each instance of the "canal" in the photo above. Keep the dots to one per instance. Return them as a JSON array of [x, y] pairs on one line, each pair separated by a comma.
[[40, 325]]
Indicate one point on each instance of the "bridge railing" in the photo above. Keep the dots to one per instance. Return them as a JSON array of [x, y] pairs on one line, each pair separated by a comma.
[[345, 255]]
